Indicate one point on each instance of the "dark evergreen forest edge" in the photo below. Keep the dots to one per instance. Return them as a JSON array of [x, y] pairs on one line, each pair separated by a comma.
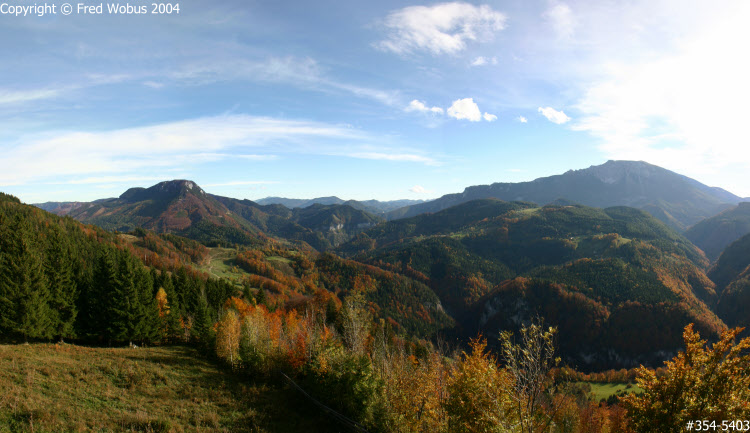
[[368, 333]]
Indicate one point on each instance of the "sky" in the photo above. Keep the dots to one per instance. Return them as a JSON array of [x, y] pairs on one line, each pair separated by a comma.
[[367, 100]]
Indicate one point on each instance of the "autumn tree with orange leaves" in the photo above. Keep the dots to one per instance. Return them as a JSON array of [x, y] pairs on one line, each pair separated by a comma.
[[700, 383]]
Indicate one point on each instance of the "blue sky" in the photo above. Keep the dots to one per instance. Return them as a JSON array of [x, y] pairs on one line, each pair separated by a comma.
[[383, 100]]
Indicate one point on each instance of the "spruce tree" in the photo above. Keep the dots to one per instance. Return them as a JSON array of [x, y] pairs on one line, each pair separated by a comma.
[[97, 297], [62, 285], [25, 286], [123, 315], [149, 328], [173, 323], [8, 291], [260, 298], [202, 326]]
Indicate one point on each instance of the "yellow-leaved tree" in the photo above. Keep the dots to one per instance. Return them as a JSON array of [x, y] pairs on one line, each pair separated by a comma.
[[478, 399], [228, 338], [701, 383]]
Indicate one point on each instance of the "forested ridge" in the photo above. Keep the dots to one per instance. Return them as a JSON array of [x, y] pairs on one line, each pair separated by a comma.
[[388, 337], [63, 280], [495, 265]]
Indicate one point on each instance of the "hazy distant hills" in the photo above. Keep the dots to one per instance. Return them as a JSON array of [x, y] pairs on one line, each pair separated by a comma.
[[321, 226], [714, 234], [677, 200], [372, 206], [497, 264]]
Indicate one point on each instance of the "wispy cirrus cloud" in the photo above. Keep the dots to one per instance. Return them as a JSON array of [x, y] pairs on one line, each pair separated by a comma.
[[8, 97], [300, 72], [395, 156], [73, 155], [242, 183], [444, 28], [419, 189]]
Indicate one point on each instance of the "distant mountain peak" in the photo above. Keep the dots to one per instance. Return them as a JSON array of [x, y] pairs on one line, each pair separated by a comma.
[[677, 200], [177, 185], [162, 190], [614, 171]]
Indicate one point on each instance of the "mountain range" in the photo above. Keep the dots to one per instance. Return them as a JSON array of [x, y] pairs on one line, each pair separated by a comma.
[[182, 207], [620, 282], [676, 200], [372, 206]]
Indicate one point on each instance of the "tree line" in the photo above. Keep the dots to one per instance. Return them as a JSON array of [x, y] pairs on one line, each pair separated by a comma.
[[62, 280]]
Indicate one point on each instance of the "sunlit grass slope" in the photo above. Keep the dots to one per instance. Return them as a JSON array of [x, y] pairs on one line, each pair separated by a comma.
[[60, 388]]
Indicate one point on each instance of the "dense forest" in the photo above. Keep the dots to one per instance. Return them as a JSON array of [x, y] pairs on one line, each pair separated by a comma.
[[62, 280]]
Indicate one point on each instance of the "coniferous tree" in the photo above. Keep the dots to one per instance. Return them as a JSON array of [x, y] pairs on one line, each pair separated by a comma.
[[123, 314], [183, 287], [62, 285], [97, 296], [148, 328], [260, 297], [173, 324], [202, 327], [24, 292], [7, 292]]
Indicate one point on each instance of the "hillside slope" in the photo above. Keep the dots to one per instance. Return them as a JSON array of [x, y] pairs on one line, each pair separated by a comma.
[[676, 200], [182, 207], [618, 264], [714, 234], [731, 273], [54, 388], [178, 206]]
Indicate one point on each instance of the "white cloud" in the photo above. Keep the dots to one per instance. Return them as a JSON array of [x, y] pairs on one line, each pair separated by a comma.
[[421, 107], [465, 109], [133, 151], [522, 119], [301, 72], [685, 110], [489, 117], [404, 157], [153, 84], [554, 116], [112, 179], [561, 17], [481, 61], [252, 157], [440, 29], [418, 189], [19, 97], [241, 183]]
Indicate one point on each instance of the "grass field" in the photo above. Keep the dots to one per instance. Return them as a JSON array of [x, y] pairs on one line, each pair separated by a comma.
[[220, 264], [601, 391], [61, 388]]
